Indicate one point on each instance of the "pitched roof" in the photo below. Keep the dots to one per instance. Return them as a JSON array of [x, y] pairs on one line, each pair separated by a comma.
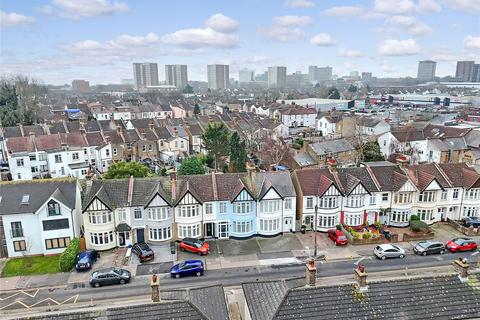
[[461, 175], [390, 178], [423, 174], [39, 191], [413, 298], [331, 146], [315, 181], [20, 144], [350, 177], [280, 181]]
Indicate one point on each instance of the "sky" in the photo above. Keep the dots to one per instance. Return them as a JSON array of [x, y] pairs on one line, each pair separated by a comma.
[[57, 41]]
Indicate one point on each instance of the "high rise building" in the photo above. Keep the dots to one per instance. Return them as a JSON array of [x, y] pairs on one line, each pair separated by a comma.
[[426, 70], [246, 75], [176, 75], [218, 76], [80, 85], [319, 74], [277, 77], [464, 71], [145, 75], [476, 73], [366, 76]]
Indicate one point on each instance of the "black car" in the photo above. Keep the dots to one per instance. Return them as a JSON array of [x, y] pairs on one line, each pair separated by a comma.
[[109, 276], [143, 251], [471, 222], [429, 247]]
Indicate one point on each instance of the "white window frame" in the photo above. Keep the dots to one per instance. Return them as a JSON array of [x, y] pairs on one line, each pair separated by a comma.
[[159, 234], [99, 217], [159, 213], [190, 231], [101, 238]]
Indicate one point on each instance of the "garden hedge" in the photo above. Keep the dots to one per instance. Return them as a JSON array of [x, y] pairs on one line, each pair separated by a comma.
[[417, 226], [69, 256]]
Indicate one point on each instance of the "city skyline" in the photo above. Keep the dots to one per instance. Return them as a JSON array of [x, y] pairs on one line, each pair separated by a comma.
[[98, 40]]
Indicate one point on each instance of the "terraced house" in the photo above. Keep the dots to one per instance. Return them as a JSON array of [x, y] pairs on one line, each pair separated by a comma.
[[386, 193], [120, 212]]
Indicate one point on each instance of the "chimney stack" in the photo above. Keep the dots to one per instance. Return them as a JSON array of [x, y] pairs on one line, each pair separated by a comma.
[[311, 273], [361, 277], [461, 266], [173, 177], [155, 284]]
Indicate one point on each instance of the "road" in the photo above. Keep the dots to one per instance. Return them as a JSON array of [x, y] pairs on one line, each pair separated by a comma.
[[139, 286]]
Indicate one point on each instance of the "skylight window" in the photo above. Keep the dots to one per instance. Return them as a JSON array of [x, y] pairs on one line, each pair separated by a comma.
[[25, 198]]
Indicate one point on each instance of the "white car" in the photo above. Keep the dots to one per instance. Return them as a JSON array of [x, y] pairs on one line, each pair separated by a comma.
[[385, 251]]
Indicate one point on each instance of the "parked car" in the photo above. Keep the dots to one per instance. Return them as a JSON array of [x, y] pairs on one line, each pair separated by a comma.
[[461, 244], [193, 245], [85, 260], [187, 268], [109, 276], [337, 236], [471, 222], [143, 251], [429, 247], [385, 251]]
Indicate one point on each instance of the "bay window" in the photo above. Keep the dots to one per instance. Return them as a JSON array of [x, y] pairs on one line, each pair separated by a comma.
[[189, 211], [101, 238], [327, 221], [159, 213], [242, 226], [400, 216], [425, 214], [472, 194], [269, 225], [242, 207], [353, 219], [355, 201], [159, 234], [191, 231], [471, 211], [328, 202], [403, 198], [100, 217], [426, 196], [270, 206]]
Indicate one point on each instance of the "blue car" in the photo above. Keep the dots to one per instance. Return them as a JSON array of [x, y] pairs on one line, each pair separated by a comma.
[[187, 268], [86, 259]]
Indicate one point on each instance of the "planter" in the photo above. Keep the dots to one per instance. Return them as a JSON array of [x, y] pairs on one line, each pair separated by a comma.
[[360, 241], [418, 236]]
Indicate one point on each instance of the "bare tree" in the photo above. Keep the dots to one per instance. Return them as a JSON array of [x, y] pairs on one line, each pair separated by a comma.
[[273, 152]]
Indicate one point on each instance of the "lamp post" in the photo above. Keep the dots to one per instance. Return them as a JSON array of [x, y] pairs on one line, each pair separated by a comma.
[[315, 232]]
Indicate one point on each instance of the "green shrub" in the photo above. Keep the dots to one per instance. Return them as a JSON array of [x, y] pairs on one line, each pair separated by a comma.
[[414, 217], [417, 226], [339, 227], [350, 229], [69, 256], [355, 234], [367, 235]]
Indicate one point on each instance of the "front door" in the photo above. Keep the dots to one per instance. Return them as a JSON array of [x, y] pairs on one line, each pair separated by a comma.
[[140, 235], [124, 239], [209, 230], [288, 225], [223, 230]]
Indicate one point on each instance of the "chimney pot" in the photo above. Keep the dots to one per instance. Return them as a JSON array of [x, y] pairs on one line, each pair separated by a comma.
[[311, 273]]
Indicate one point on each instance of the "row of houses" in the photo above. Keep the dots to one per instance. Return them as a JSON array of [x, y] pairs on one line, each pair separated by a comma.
[[41, 216]]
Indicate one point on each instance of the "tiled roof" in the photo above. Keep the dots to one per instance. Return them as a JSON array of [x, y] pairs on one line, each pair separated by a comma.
[[390, 178], [10, 132], [94, 139], [423, 174], [409, 134], [48, 143], [11, 194], [263, 298], [57, 127], [460, 175], [280, 181], [331, 146], [299, 110], [20, 144], [435, 131], [314, 181], [210, 301], [350, 177]]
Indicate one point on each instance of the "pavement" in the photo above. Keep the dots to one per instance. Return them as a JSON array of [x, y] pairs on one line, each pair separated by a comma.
[[288, 249]]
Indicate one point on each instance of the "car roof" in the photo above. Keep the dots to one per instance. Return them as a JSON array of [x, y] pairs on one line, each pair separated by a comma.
[[193, 261], [387, 246]]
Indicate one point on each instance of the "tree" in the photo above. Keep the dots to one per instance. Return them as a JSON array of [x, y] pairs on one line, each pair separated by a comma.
[[196, 109], [371, 152], [191, 165], [188, 89], [216, 139], [333, 93], [9, 111], [273, 152], [352, 88], [238, 154], [123, 169]]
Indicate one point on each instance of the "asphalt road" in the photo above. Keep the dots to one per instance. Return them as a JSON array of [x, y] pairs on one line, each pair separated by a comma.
[[140, 285]]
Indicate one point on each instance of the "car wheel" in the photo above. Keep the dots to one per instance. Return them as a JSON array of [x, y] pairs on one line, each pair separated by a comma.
[[181, 249], [442, 251], [401, 256], [96, 284], [424, 253], [383, 257], [122, 281], [177, 275], [198, 274]]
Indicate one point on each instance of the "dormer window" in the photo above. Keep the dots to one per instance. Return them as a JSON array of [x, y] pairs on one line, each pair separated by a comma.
[[53, 208]]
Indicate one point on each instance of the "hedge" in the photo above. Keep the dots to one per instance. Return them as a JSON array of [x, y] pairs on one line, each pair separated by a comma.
[[417, 225], [69, 256], [414, 217]]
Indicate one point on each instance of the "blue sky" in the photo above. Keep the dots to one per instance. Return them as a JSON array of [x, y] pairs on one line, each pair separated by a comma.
[[97, 40]]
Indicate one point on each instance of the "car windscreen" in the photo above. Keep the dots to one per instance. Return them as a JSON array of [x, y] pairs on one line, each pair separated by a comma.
[[181, 264], [424, 244], [379, 248], [342, 238], [198, 244], [458, 241]]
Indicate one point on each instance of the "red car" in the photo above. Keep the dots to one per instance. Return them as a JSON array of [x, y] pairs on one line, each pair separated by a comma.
[[193, 245], [461, 244], [337, 236]]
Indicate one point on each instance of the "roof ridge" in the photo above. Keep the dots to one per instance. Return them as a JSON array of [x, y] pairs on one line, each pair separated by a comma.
[[443, 174], [374, 178], [214, 186]]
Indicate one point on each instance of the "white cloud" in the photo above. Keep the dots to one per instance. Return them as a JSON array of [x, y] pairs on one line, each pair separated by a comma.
[[394, 6], [201, 38], [322, 39], [471, 42], [393, 47], [13, 19], [409, 24], [216, 34], [349, 53], [345, 11], [287, 21], [468, 6], [429, 6], [76, 9], [221, 23], [283, 34], [299, 3]]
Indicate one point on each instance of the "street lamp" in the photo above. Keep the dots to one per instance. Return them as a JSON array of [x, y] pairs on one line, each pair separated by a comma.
[[315, 232]]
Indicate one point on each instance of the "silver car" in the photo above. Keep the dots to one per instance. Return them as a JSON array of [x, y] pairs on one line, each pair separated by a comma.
[[385, 251]]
